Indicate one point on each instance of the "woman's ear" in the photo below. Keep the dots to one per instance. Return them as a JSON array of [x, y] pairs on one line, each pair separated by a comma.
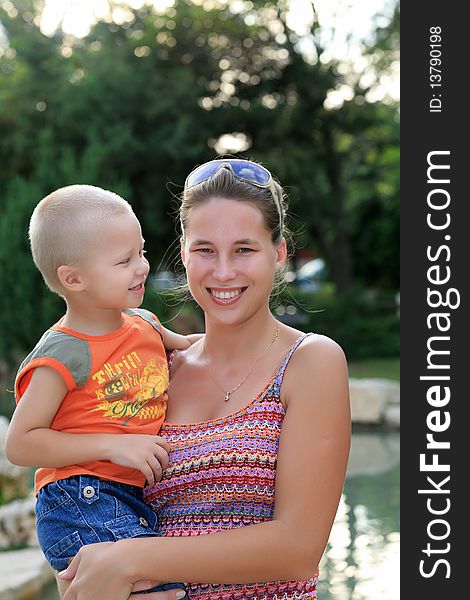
[[281, 257], [70, 278]]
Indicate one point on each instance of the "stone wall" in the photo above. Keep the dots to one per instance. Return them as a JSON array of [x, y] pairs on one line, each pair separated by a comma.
[[375, 401], [14, 480], [17, 524], [17, 520]]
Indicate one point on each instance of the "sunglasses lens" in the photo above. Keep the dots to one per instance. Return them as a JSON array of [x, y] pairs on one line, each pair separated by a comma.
[[250, 172], [241, 168], [202, 173]]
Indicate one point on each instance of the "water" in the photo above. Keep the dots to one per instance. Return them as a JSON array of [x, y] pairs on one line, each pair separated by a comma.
[[361, 561]]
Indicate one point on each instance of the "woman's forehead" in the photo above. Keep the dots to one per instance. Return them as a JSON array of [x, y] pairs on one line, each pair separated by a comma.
[[218, 225], [226, 213]]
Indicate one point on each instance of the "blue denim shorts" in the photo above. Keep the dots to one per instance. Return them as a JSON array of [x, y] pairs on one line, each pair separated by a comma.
[[82, 510]]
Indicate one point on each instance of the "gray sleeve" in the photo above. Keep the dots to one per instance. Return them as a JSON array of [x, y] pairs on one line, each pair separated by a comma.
[[146, 315], [72, 352]]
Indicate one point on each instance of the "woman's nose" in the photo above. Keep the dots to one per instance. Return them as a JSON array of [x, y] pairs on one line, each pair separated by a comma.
[[224, 270]]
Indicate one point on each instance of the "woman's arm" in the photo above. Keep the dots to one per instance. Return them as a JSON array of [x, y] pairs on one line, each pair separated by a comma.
[[313, 453], [32, 443]]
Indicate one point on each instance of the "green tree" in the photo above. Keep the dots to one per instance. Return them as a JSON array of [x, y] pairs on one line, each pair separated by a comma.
[[134, 106], [25, 303]]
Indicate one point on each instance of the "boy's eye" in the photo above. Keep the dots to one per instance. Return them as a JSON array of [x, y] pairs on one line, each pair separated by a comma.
[[126, 261], [204, 250]]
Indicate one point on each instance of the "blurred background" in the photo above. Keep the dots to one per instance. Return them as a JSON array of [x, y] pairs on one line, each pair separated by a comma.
[[132, 95]]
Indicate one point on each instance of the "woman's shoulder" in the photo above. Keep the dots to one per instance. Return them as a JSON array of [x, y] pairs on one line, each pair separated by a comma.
[[318, 344], [317, 359], [314, 347]]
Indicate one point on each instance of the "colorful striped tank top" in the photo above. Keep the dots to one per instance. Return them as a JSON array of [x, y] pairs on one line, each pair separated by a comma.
[[221, 475]]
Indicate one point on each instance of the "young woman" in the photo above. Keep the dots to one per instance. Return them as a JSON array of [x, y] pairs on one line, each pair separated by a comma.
[[258, 420]]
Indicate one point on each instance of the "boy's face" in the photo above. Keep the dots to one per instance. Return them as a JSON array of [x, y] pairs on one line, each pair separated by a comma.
[[114, 270]]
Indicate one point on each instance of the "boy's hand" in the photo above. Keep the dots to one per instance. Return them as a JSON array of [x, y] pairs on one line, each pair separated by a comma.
[[176, 341], [146, 453], [194, 337]]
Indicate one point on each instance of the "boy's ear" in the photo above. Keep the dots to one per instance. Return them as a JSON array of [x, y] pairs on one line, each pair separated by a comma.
[[70, 278]]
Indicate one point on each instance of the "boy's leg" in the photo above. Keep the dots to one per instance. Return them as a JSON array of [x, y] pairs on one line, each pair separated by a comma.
[[170, 590], [61, 585], [84, 510], [166, 595]]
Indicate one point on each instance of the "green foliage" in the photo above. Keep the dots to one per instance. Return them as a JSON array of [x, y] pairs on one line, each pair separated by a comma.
[[175, 311], [133, 107], [365, 325], [26, 305], [384, 368]]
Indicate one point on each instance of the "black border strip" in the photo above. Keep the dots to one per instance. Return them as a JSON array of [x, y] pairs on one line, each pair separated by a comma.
[[434, 128]]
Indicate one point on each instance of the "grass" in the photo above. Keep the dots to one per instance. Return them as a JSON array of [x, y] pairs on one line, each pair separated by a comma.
[[388, 368]]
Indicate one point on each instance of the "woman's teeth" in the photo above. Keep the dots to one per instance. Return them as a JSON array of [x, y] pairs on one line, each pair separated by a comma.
[[226, 295]]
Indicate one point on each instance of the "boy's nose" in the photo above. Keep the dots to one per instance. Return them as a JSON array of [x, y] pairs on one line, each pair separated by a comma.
[[144, 266]]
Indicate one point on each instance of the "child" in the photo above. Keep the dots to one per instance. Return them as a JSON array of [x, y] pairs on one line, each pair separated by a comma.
[[100, 371]]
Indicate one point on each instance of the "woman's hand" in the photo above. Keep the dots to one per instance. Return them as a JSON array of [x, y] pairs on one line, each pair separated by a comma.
[[98, 572]]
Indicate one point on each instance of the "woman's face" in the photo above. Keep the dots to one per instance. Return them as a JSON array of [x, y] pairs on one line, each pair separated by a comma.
[[230, 259]]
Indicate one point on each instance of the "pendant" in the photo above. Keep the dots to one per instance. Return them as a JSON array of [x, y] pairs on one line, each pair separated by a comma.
[[227, 397]]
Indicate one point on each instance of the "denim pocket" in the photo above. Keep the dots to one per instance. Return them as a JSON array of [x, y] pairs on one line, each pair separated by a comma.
[[50, 497], [59, 553], [130, 526]]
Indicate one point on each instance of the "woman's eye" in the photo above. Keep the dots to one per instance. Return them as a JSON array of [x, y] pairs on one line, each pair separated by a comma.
[[244, 250]]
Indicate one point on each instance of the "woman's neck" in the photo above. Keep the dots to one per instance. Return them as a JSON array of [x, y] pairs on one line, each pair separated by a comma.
[[226, 342]]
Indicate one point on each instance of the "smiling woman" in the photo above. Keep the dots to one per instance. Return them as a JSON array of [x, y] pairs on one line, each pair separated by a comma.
[[258, 421]]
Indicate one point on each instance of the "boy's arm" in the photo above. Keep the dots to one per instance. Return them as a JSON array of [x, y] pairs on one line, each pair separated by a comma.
[[176, 341], [33, 417], [31, 442]]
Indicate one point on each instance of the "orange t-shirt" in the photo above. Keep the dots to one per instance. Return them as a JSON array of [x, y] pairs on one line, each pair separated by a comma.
[[117, 383]]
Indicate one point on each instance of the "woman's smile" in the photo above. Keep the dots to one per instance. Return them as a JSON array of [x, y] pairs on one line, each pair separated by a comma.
[[226, 296]]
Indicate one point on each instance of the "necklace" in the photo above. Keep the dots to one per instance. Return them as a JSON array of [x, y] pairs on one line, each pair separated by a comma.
[[230, 392]]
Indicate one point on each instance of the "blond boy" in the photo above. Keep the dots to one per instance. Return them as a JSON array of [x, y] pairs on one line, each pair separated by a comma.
[[94, 389]]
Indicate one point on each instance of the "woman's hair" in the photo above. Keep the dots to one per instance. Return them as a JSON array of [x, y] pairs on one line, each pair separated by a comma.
[[223, 184], [62, 228]]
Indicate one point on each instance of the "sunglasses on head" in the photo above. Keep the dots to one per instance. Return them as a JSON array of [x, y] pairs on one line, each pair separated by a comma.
[[241, 169]]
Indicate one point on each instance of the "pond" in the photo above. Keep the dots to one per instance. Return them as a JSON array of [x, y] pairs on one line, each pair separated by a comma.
[[361, 561], [362, 558]]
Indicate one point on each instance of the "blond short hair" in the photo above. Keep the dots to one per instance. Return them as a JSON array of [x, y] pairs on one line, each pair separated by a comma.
[[60, 229]]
